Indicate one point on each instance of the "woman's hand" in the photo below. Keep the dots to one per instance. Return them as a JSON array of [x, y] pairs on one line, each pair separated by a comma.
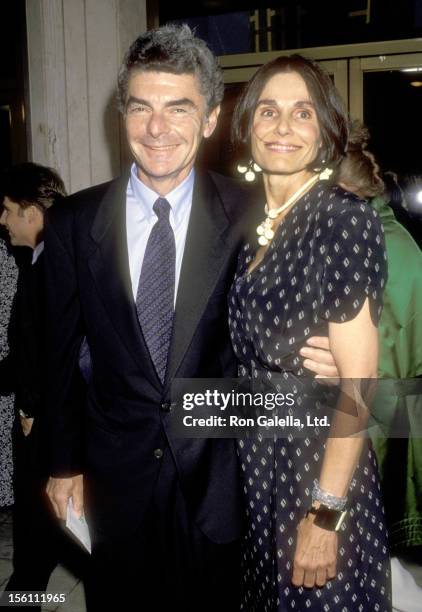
[[316, 554]]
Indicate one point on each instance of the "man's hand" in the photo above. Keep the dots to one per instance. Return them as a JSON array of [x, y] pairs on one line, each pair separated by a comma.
[[316, 555], [319, 358], [60, 489], [26, 423]]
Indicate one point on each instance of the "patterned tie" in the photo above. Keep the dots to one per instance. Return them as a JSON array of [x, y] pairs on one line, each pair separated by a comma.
[[85, 361], [155, 297]]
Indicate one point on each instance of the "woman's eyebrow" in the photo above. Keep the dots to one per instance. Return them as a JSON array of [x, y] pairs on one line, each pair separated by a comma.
[[272, 102]]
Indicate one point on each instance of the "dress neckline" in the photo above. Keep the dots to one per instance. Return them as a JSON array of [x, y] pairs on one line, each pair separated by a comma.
[[263, 263]]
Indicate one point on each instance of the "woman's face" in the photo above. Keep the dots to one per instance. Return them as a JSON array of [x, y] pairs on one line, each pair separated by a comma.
[[285, 134]]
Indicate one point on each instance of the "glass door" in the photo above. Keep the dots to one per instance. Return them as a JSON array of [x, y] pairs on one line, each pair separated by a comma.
[[386, 94]]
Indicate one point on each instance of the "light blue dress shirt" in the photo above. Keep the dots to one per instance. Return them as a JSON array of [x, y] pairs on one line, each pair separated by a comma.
[[37, 252], [140, 219]]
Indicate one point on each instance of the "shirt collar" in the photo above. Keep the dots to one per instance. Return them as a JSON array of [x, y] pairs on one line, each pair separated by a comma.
[[180, 198], [37, 252]]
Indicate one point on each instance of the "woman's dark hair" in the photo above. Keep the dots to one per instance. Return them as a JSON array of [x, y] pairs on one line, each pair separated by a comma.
[[329, 108], [393, 191], [359, 171]]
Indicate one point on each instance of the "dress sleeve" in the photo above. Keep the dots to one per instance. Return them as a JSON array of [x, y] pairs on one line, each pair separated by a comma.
[[355, 265]]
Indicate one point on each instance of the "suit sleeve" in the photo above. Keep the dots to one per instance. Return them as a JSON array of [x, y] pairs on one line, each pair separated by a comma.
[[65, 396], [8, 374]]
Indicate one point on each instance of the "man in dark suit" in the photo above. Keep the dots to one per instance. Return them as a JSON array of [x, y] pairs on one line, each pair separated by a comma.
[[141, 266], [29, 190]]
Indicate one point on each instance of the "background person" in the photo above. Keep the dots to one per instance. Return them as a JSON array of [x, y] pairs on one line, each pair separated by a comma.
[[400, 331], [8, 278], [38, 541], [310, 274]]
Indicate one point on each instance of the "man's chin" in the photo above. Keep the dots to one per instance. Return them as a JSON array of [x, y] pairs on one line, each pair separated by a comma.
[[163, 173]]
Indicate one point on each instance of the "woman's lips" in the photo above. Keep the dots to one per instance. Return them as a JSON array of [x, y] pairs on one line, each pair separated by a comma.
[[281, 147]]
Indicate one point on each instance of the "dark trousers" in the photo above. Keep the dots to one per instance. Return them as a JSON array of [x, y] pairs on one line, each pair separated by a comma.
[[168, 564], [39, 540]]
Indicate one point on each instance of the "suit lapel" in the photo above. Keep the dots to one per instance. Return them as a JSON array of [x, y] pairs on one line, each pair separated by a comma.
[[205, 251], [109, 266]]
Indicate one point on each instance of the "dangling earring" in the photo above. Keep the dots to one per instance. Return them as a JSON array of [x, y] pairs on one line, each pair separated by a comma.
[[249, 171], [325, 173], [320, 166]]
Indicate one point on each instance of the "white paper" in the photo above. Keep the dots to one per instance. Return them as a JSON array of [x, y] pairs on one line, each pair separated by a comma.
[[78, 526]]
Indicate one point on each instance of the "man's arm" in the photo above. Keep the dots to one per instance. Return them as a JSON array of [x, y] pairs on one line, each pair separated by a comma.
[[8, 381], [65, 388]]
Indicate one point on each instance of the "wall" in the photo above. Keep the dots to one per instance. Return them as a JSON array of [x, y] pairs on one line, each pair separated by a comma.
[[74, 51]]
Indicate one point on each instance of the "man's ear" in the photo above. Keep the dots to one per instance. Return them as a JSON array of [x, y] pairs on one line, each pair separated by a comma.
[[34, 215], [211, 121], [30, 213]]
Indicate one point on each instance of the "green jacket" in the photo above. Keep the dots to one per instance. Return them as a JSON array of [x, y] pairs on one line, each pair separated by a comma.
[[400, 333]]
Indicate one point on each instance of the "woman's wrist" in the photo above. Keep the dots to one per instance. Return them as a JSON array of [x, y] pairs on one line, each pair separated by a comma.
[[325, 518], [333, 502]]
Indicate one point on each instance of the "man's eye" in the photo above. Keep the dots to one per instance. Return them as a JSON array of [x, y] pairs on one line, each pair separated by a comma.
[[268, 112], [133, 110], [179, 111]]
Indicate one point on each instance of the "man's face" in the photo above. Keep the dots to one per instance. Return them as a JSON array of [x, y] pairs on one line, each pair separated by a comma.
[[165, 120], [18, 223]]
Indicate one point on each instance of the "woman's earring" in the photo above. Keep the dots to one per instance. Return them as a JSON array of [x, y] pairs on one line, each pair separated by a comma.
[[249, 171], [325, 174], [320, 168]]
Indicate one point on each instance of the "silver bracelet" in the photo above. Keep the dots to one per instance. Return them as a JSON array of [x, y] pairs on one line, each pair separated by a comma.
[[331, 501]]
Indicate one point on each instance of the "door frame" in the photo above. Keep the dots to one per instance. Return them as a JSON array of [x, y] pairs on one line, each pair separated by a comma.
[[359, 65], [345, 62]]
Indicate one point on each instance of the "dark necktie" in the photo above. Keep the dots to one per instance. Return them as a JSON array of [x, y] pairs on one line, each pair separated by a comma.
[[84, 360], [155, 296]]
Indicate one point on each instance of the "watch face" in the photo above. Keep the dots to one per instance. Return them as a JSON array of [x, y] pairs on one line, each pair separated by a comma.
[[340, 520], [327, 518]]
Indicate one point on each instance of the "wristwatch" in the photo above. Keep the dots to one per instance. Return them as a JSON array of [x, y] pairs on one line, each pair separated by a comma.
[[327, 518]]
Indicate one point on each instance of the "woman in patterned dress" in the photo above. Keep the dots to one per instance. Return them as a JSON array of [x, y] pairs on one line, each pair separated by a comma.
[[8, 279], [319, 268]]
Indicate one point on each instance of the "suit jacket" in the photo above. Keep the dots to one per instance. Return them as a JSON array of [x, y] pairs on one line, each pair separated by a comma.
[[126, 414]]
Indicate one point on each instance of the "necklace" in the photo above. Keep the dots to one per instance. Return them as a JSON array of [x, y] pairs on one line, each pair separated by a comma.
[[265, 228]]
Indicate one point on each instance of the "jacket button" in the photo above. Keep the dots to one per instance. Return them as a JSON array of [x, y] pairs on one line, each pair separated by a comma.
[[166, 407], [158, 453]]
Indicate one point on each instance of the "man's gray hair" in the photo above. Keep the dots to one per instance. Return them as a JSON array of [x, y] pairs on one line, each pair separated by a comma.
[[175, 49]]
